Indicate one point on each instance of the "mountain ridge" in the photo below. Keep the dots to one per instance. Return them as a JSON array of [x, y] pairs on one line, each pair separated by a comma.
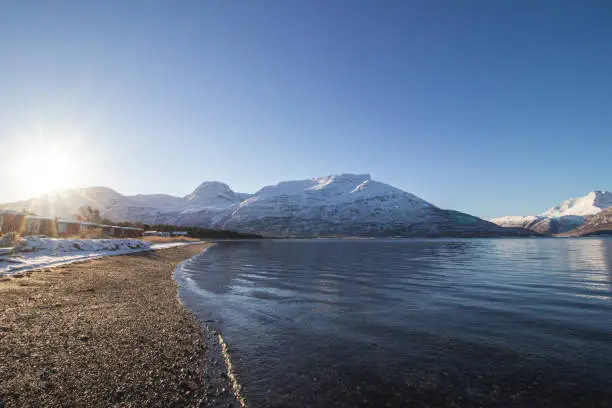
[[340, 204], [562, 218]]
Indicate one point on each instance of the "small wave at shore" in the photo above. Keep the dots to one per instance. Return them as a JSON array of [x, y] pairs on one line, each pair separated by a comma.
[[217, 348]]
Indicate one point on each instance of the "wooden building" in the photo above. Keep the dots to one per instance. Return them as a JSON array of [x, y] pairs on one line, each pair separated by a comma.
[[124, 232], [67, 228], [106, 231], [132, 232], [11, 221], [87, 227], [40, 226], [156, 234]]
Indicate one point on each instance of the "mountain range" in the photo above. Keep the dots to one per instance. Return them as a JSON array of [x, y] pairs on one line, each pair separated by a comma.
[[335, 205], [562, 218]]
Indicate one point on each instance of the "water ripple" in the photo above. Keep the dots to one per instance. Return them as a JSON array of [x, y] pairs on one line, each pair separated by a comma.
[[509, 323]]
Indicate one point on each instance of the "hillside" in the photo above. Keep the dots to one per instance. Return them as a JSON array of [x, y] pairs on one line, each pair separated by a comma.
[[599, 224]]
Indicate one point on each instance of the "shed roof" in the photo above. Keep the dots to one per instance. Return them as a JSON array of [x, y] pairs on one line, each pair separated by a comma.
[[11, 212], [69, 221]]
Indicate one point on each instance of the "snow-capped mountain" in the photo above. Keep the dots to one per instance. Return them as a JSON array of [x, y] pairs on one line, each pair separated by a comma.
[[563, 217], [345, 204], [206, 206], [590, 204], [64, 203], [146, 208], [213, 195], [337, 204]]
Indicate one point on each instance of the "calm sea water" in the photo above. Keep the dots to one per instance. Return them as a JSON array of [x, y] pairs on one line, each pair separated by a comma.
[[423, 323]]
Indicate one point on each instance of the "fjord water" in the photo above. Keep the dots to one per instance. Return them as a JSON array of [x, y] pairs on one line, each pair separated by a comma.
[[374, 323]]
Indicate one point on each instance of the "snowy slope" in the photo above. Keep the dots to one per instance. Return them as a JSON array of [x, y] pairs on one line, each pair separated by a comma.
[[162, 202], [325, 205], [539, 223], [522, 221], [212, 197], [590, 204], [347, 204], [144, 208], [64, 203], [561, 218]]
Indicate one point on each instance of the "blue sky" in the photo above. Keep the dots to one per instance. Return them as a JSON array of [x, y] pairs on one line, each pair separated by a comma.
[[489, 107]]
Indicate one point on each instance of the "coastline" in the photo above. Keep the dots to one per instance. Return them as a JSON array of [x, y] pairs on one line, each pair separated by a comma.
[[34, 261], [216, 352], [107, 332]]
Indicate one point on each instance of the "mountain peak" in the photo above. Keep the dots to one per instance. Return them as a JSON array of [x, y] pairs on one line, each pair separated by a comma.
[[344, 178], [590, 204], [213, 185], [212, 194], [209, 188]]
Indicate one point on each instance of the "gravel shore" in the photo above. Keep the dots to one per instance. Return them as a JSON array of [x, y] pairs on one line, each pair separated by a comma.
[[107, 332]]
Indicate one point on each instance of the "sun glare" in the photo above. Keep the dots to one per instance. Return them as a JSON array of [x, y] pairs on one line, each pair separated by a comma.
[[46, 170]]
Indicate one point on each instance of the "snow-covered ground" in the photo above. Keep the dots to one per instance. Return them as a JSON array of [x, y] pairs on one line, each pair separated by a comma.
[[40, 252]]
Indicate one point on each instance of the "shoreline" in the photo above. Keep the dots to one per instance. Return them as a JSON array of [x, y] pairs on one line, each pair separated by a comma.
[[108, 332], [217, 350]]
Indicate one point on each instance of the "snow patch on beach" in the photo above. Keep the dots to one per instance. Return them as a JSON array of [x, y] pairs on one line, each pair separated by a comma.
[[57, 246], [40, 252]]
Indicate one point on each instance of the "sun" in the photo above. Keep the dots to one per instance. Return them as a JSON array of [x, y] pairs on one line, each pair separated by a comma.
[[46, 169]]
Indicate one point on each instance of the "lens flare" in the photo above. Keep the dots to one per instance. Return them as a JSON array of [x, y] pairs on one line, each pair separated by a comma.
[[41, 170]]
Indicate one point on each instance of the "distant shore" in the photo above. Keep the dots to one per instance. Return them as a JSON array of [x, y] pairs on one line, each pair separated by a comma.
[[106, 332]]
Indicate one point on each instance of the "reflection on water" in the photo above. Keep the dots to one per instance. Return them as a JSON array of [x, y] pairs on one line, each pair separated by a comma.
[[507, 322], [591, 265]]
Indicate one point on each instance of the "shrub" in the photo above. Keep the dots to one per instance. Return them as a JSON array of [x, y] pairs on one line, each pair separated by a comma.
[[10, 239]]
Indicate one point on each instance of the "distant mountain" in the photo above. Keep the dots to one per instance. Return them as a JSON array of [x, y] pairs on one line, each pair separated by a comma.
[[590, 204], [64, 203], [145, 208], [347, 204], [213, 195], [563, 217], [344, 204], [598, 224]]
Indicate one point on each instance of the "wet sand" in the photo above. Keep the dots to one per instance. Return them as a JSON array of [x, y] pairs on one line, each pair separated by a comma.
[[107, 332]]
